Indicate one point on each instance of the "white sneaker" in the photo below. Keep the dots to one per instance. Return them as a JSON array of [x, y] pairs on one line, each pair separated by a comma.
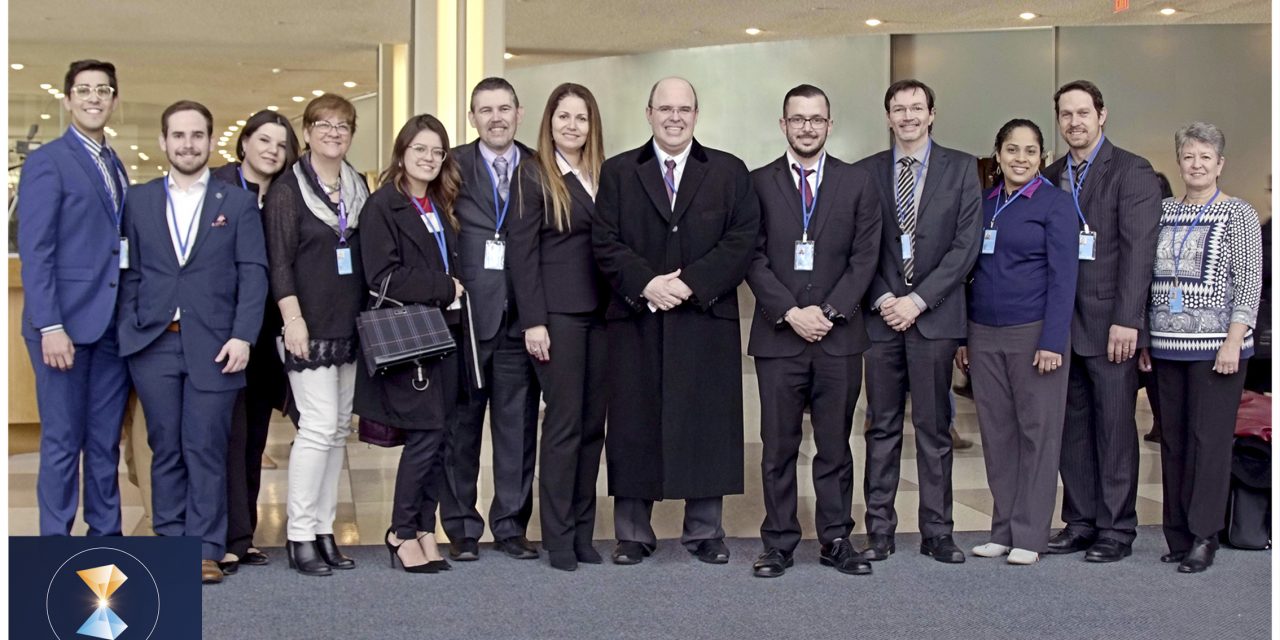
[[990, 550], [1022, 556]]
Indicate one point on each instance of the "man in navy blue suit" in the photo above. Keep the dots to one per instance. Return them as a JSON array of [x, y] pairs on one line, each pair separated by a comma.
[[191, 303], [70, 200]]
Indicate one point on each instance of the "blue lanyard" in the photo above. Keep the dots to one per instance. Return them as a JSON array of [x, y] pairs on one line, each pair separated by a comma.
[[1177, 253], [805, 209], [243, 183], [919, 172], [439, 235], [1000, 208], [184, 240], [1071, 178], [499, 206]]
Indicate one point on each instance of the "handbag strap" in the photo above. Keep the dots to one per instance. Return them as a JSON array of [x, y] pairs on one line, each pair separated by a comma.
[[381, 294]]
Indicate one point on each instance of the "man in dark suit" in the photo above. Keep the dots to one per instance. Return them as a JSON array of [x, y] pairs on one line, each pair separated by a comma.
[[191, 304], [509, 391], [674, 230], [817, 252], [932, 207], [70, 201], [1118, 197]]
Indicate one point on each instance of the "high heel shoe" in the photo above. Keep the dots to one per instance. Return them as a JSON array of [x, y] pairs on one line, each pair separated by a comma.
[[305, 558], [330, 553], [395, 556], [438, 565]]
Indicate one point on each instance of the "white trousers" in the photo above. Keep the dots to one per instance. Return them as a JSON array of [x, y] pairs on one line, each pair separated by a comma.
[[324, 398]]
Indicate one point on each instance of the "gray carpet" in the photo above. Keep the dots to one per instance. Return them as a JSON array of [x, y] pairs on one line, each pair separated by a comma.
[[672, 595]]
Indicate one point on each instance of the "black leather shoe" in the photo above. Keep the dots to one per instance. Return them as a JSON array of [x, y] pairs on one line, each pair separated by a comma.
[[587, 554], [329, 552], [305, 558], [628, 552], [464, 550], [712, 552], [943, 549], [563, 560], [1107, 550], [229, 567], [517, 547], [841, 555], [1173, 557], [254, 558], [772, 563], [1200, 557], [1067, 541], [879, 547]]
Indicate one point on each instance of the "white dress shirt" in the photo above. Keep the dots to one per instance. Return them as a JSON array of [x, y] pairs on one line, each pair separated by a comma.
[[565, 167], [680, 159], [184, 209]]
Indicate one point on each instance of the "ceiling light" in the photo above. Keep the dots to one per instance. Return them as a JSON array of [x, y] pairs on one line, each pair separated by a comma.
[[46, 86], [17, 66], [317, 92], [233, 128], [59, 95], [131, 181], [143, 156], [272, 107], [1027, 15], [351, 85], [45, 116], [298, 98], [240, 122], [222, 143], [1168, 11], [508, 55], [133, 147], [873, 22], [52, 91], [752, 31], [276, 70], [133, 167], [159, 168]]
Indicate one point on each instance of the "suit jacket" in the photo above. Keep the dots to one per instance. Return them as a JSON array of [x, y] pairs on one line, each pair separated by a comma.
[[68, 241], [488, 288], [552, 271], [1121, 201], [948, 238], [221, 290], [845, 230]]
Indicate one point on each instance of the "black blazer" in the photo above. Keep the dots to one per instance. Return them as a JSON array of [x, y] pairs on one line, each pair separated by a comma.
[[948, 238], [551, 271], [845, 230], [1121, 201], [488, 288]]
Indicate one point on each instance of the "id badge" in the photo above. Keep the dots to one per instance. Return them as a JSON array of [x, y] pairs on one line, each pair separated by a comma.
[[344, 261], [804, 256], [1088, 245], [124, 253], [989, 241], [906, 246], [495, 254], [1175, 300]]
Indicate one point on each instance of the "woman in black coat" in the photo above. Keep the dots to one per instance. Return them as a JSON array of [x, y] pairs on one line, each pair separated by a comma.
[[560, 294], [409, 234]]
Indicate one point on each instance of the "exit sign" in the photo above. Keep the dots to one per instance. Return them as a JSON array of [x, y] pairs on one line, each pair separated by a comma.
[[1122, 5]]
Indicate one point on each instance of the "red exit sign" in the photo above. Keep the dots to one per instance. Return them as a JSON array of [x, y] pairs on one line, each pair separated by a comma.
[[1121, 5]]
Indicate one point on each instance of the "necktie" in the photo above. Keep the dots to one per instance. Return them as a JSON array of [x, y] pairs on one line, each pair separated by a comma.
[[107, 163], [907, 209], [1079, 171], [504, 182], [671, 180], [805, 191]]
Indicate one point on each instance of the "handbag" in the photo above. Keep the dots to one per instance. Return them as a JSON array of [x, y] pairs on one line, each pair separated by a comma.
[[401, 334], [379, 434]]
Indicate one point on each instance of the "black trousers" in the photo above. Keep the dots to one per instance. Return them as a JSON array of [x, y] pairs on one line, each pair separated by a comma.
[[1199, 408], [830, 386], [250, 421], [1099, 459], [911, 362], [573, 429], [417, 479], [510, 396]]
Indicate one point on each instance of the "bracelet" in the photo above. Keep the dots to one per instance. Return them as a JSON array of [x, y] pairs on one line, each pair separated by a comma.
[[288, 322]]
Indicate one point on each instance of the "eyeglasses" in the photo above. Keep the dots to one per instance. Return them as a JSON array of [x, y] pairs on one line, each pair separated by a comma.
[[422, 150], [798, 122], [915, 110], [323, 127], [103, 91], [667, 111]]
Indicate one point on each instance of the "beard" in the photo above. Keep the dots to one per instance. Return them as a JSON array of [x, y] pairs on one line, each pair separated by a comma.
[[806, 154], [188, 163]]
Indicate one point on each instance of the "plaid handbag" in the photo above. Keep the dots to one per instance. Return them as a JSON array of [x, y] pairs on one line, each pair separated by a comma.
[[401, 334]]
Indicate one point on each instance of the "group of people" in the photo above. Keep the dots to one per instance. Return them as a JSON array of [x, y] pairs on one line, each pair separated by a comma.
[[609, 286]]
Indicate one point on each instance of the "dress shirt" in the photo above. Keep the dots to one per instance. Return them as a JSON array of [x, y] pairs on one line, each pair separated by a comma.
[[1032, 274], [512, 155], [116, 189], [187, 204], [792, 161], [920, 158], [680, 159], [565, 167]]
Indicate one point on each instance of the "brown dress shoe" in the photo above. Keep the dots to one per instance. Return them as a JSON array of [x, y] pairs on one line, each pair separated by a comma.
[[210, 573]]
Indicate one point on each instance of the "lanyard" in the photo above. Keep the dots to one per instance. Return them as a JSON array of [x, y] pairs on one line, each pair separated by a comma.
[[184, 239], [806, 209], [437, 230], [498, 206], [243, 183], [1000, 208], [1177, 252], [1071, 178], [919, 172], [342, 204]]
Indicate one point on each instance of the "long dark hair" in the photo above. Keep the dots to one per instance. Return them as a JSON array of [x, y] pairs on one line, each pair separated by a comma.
[[444, 189], [1003, 134], [266, 116]]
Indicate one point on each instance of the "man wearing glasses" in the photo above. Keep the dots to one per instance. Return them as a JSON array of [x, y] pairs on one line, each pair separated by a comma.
[[70, 201], [674, 231], [816, 255]]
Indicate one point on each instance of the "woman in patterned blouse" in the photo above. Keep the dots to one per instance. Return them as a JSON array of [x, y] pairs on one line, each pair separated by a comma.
[[1204, 304]]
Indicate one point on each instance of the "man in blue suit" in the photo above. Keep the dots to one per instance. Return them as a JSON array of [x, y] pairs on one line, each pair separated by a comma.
[[70, 200], [191, 304]]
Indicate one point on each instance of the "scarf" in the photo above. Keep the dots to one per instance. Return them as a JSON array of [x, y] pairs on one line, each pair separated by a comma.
[[354, 193]]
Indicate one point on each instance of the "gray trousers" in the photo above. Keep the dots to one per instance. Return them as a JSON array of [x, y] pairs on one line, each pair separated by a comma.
[[702, 520], [1020, 414]]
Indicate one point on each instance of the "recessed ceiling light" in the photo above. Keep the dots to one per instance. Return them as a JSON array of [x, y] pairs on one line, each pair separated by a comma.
[[45, 116], [276, 70], [873, 22], [133, 167], [46, 86], [17, 66], [133, 147], [317, 92], [272, 107], [59, 95], [1027, 15], [144, 157], [298, 98], [159, 168], [1168, 11], [752, 31], [52, 91], [233, 128], [132, 181], [351, 85], [240, 122], [222, 143], [507, 55]]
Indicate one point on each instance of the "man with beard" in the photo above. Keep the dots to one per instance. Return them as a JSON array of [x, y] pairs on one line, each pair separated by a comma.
[[674, 230], [191, 304], [816, 255], [509, 390]]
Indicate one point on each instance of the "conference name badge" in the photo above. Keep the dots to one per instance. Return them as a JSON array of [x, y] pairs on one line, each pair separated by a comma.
[[804, 256], [1088, 245], [495, 254], [344, 261]]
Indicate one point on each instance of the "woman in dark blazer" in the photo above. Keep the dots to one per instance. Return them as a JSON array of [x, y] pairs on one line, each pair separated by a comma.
[[560, 294], [409, 235]]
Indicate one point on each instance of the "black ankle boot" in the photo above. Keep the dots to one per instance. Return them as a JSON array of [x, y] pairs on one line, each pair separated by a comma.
[[330, 553], [1200, 557], [305, 557]]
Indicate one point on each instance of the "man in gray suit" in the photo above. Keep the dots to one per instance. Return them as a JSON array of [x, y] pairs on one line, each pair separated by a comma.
[[931, 205], [509, 390], [1118, 200]]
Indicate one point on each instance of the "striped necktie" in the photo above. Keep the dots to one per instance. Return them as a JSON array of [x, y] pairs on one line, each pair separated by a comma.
[[906, 196], [1079, 174]]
